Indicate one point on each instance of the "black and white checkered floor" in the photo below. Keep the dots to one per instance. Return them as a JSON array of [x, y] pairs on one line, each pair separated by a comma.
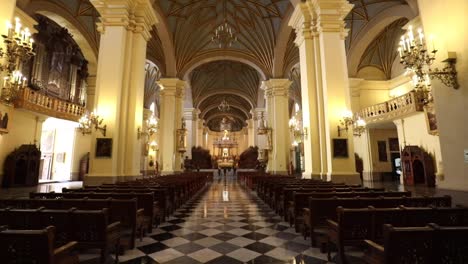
[[224, 224]]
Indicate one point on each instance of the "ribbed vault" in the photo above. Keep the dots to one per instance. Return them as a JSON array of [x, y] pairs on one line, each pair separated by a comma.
[[236, 82], [257, 24]]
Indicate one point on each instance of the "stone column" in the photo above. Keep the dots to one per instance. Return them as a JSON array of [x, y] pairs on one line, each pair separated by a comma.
[[191, 117], [301, 21], [251, 132], [125, 30], [276, 93], [330, 33], [320, 32], [172, 94]]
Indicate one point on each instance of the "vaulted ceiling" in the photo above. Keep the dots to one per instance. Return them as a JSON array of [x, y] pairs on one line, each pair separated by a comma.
[[236, 82], [181, 45], [256, 23]]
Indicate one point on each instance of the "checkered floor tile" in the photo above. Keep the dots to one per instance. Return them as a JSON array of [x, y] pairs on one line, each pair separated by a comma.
[[225, 224]]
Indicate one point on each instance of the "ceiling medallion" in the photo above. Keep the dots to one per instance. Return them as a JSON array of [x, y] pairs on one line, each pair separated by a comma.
[[224, 106]]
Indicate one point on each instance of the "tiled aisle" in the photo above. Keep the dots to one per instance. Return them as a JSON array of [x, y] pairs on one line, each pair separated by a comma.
[[225, 224]]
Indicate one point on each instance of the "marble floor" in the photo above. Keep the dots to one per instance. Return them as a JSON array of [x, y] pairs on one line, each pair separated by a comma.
[[223, 224]]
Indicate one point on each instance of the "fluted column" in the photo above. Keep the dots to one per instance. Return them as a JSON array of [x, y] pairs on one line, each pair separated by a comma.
[[191, 117], [276, 93], [329, 30], [319, 25], [172, 94], [125, 30], [301, 21]]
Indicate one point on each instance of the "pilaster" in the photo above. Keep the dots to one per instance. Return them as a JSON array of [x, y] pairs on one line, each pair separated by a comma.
[[276, 94], [119, 93], [172, 94]]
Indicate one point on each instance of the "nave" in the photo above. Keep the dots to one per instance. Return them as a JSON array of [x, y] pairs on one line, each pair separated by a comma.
[[224, 223]]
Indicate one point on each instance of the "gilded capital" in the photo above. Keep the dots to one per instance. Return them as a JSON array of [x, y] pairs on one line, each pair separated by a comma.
[[137, 16], [276, 87]]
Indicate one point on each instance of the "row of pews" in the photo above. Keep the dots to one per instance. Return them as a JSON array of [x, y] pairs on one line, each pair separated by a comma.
[[108, 217], [336, 215]]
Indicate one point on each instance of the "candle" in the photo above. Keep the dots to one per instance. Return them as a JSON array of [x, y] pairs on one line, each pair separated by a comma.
[[24, 81], [31, 41], [403, 42], [410, 34], [431, 37], [420, 36], [409, 44], [17, 25], [5, 79], [399, 51], [9, 28]]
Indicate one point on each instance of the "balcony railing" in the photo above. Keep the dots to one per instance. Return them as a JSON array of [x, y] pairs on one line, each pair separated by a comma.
[[38, 102], [398, 107]]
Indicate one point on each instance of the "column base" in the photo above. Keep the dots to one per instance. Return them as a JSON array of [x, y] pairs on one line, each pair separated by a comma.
[[371, 176], [311, 175], [278, 172], [94, 180]]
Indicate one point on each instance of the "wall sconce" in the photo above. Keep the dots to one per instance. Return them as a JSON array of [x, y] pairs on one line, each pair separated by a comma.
[[87, 121], [359, 125], [296, 130], [18, 49], [346, 121], [153, 146], [151, 127], [416, 57]]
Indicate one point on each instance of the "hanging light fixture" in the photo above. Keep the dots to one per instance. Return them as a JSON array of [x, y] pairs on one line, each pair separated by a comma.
[[224, 106], [224, 34], [417, 58], [18, 49]]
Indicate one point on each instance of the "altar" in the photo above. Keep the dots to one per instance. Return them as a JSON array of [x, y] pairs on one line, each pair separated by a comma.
[[225, 149]]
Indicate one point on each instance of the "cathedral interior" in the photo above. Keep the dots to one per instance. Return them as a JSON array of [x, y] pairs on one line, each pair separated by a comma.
[[233, 131]]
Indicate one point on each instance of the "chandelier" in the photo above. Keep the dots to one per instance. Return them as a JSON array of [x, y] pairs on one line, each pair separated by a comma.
[[416, 58], [224, 35], [224, 106], [18, 49]]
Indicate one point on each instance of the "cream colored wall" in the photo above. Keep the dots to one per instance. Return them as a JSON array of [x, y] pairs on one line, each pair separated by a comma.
[[81, 146], [24, 128], [381, 135], [414, 131], [448, 22]]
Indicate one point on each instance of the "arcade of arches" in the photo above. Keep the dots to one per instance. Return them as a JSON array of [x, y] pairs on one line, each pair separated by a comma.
[[317, 89], [307, 61]]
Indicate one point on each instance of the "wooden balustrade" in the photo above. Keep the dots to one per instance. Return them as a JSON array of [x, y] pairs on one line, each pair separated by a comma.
[[44, 104], [398, 107]]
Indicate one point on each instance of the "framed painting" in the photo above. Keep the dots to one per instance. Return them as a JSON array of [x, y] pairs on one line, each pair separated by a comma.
[[431, 119], [103, 147], [340, 148], [394, 145], [382, 149]]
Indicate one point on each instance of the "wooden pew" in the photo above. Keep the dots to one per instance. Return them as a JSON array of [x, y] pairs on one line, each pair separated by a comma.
[[321, 209], [432, 244], [144, 201], [353, 226], [301, 200], [123, 211], [35, 246], [90, 228]]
